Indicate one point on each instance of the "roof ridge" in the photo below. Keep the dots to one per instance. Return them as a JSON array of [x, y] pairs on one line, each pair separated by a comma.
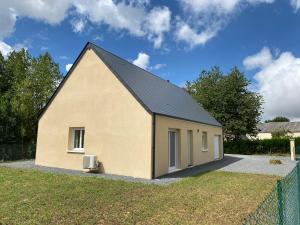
[[152, 74]]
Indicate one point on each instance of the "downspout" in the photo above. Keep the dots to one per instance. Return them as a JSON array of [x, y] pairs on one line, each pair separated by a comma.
[[153, 144]]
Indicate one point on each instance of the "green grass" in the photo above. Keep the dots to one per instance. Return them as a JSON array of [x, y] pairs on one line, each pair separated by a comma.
[[31, 197]]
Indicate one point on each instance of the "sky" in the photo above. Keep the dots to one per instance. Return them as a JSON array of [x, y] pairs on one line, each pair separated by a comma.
[[174, 39]]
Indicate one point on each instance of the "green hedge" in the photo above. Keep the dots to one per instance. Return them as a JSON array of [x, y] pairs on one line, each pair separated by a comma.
[[17, 151], [268, 146]]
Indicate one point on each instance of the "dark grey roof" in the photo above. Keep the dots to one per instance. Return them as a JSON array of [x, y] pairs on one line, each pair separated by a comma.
[[275, 126], [155, 94]]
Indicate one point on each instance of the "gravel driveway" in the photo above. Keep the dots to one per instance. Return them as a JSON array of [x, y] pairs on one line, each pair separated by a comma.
[[230, 163], [259, 164]]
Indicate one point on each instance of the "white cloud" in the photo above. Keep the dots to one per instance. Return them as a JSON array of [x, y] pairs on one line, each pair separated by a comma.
[[116, 15], [68, 67], [259, 60], [142, 60], [157, 23], [295, 4], [210, 5], [260, 1], [205, 18], [99, 38], [7, 21], [134, 16], [279, 83], [218, 6], [52, 12], [200, 20], [158, 66], [186, 33], [78, 25], [5, 49], [63, 57]]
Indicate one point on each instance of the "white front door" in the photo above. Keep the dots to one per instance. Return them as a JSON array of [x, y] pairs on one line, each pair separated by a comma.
[[190, 147], [172, 150], [217, 146]]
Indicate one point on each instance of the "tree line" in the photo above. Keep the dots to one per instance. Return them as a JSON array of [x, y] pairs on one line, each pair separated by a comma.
[[26, 83]]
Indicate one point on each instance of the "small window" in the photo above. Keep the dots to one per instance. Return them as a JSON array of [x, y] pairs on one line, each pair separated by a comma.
[[78, 138], [204, 141]]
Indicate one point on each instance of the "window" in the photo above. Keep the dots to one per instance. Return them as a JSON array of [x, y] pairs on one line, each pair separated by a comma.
[[78, 139], [204, 141]]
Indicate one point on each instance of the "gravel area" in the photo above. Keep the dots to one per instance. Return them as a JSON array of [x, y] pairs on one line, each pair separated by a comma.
[[259, 164], [230, 163]]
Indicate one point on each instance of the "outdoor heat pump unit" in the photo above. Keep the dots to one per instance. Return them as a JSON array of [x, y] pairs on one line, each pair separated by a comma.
[[90, 162]]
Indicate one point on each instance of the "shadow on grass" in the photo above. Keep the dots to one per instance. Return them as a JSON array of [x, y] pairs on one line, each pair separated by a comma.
[[196, 171]]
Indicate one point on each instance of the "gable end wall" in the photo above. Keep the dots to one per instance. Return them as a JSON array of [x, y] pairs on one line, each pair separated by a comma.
[[117, 127]]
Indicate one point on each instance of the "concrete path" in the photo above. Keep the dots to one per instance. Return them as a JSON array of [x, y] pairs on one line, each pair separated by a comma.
[[230, 163]]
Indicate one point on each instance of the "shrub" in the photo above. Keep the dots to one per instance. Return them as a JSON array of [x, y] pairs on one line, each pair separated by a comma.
[[267, 146], [275, 161], [17, 151]]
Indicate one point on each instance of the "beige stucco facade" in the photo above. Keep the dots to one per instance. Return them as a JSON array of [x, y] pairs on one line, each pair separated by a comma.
[[199, 155], [117, 128]]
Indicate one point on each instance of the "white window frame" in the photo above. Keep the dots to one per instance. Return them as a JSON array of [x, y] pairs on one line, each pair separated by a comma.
[[204, 148], [80, 140]]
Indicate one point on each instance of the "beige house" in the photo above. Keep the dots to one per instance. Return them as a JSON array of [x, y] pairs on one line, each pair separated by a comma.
[[265, 130], [134, 122]]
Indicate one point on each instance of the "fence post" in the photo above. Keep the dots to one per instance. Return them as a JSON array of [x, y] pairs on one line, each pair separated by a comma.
[[292, 149], [298, 179], [279, 202]]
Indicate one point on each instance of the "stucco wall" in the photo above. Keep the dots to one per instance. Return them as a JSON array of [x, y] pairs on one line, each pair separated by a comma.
[[164, 124], [117, 128], [262, 136]]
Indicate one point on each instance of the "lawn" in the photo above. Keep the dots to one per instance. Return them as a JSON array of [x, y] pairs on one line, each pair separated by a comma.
[[31, 197]]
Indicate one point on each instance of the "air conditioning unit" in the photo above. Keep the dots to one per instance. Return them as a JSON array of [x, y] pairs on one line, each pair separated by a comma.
[[90, 162]]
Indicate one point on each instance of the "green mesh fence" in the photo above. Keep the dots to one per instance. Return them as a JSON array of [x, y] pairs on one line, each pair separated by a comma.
[[282, 205]]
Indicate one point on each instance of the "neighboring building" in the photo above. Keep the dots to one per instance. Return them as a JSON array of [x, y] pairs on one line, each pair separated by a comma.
[[136, 123], [265, 130]]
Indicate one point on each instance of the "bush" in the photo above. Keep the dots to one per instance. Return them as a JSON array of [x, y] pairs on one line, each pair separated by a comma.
[[275, 161], [17, 151], [267, 146]]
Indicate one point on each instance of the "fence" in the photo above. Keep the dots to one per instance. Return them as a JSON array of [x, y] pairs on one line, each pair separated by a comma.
[[16, 151], [282, 205]]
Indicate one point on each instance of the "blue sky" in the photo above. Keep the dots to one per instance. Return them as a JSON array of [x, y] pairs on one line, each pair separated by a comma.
[[173, 39]]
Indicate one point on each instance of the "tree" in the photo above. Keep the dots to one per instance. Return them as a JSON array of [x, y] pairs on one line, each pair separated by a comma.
[[278, 119], [18, 70], [229, 100], [26, 83], [4, 101]]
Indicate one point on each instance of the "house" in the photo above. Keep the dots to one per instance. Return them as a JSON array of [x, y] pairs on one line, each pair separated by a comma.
[[136, 123], [265, 130]]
